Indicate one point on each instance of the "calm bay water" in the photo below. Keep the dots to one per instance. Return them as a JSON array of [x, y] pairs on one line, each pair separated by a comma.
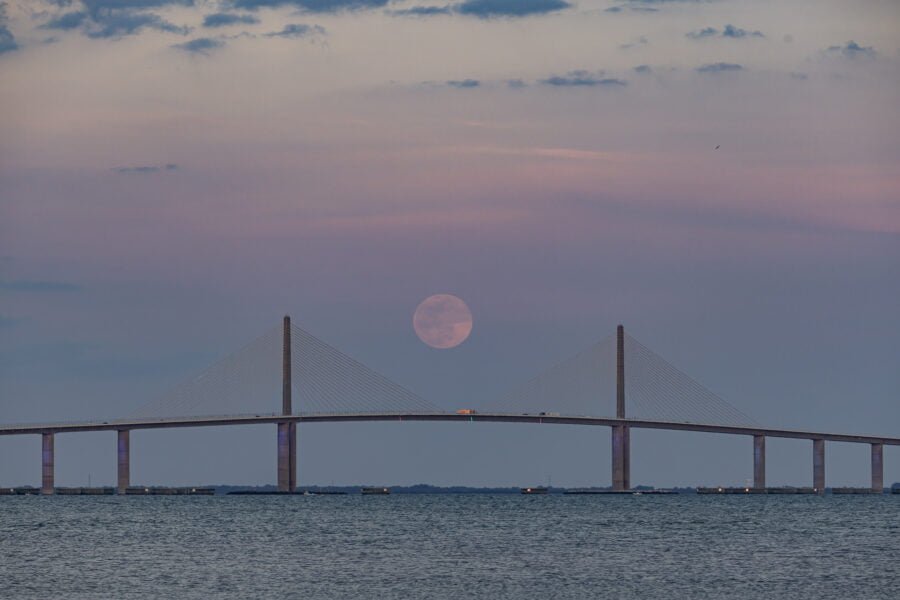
[[442, 546]]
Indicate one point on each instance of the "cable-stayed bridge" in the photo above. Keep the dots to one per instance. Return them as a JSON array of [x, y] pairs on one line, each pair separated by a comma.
[[288, 376]]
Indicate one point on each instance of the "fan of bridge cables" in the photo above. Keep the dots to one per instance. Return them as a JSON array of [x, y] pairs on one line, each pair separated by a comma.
[[248, 381], [585, 385], [327, 380]]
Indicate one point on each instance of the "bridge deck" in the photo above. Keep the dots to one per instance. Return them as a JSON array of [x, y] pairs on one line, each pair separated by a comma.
[[214, 421]]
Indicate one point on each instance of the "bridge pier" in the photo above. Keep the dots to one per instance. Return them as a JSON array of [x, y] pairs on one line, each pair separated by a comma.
[[287, 457], [47, 484], [759, 462], [878, 468], [620, 475], [819, 465], [124, 460]]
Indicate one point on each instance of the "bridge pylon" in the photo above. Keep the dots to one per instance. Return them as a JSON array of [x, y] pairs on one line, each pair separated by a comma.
[[287, 431], [621, 434]]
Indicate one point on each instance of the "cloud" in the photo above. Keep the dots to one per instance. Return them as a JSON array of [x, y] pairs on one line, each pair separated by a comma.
[[583, 79], [38, 286], [465, 83], [319, 6], [149, 168], [298, 30], [641, 41], [95, 6], [7, 39], [706, 32], [643, 69], [853, 50], [422, 11], [720, 67], [116, 19], [488, 9], [66, 21], [729, 31], [644, 2], [200, 45], [227, 19], [119, 24], [515, 84]]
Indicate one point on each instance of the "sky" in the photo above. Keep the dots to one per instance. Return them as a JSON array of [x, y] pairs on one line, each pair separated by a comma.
[[719, 176]]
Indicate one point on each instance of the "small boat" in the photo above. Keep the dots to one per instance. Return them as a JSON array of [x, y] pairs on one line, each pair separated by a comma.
[[534, 490], [375, 491]]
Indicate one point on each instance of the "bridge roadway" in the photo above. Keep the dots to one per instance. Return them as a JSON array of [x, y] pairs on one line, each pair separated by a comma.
[[215, 421]]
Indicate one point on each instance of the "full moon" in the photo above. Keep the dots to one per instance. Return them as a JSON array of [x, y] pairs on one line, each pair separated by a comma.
[[442, 321]]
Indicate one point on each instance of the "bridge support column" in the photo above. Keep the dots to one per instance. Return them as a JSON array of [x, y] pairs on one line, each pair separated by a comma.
[[819, 466], [878, 468], [287, 457], [124, 458], [619, 461], [47, 485], [621, 434], [759, 461], [287, 432]]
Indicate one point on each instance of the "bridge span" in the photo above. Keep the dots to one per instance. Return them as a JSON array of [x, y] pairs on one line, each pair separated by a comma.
[[287, 422]]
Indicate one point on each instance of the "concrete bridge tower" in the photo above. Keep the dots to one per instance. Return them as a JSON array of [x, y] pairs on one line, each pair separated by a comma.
[[621, 442]]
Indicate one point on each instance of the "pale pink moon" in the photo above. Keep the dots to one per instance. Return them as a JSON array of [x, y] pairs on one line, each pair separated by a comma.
[[442, 321]]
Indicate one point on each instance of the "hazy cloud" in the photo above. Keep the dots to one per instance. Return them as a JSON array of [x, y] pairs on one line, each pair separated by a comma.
[[853, 50], [227, 19], [152, 168], [298, 30], [108, 19], [465, 83], [200, 45], [643, 69], [7, 39], [66, 21], [38, 286], [641, 41], [321, 6], [422, 11], [720, 67], [95, 6], [706, 32], [729, 31], [583, 79], [119, 24], [515, 84], [487, 9], [646, 2]]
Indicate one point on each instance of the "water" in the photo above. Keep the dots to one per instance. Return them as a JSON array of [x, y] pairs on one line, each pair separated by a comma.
[[442, 546]]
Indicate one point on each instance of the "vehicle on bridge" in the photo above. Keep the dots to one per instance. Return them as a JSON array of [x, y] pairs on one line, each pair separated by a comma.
[[466, 411]]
